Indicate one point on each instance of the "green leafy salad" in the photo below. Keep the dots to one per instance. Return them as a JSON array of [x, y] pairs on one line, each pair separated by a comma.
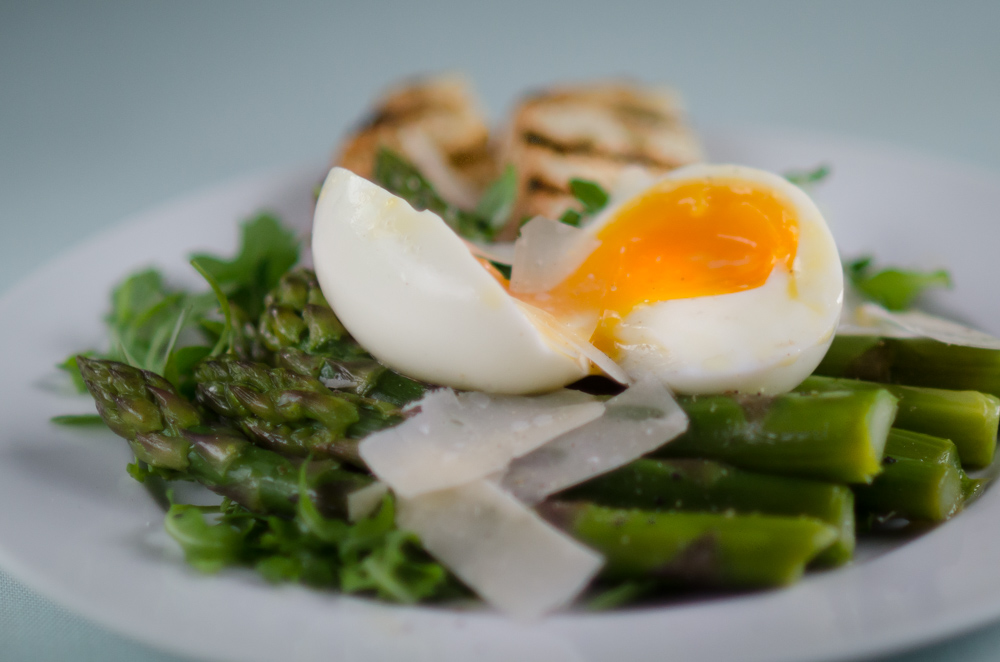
[[254, 388]]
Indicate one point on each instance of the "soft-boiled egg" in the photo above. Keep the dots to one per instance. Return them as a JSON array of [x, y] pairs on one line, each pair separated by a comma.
[[408, 289], [713, 279]]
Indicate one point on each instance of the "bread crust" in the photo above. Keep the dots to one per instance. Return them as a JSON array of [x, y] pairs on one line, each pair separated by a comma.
[[435, 118], [591, 131]]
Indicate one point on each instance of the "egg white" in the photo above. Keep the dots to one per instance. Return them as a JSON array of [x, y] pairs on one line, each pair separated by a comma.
[[408, 289], [763, 340]]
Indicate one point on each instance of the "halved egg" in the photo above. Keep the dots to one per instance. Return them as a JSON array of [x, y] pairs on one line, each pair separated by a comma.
[[408, 289], [714, 279]]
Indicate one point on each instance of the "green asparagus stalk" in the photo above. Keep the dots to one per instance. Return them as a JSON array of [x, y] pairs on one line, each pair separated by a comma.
[[304, 335], [836, 437], [695, 549], [264, 481], [169, 433], [972, 488], [922, 480], [144, 409], [363, 377], [289, 412], [297, 315], [703, 485], [968, 418], [913, 362]]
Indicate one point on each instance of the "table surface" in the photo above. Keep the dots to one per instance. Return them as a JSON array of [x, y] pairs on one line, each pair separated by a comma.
[[111, 107]]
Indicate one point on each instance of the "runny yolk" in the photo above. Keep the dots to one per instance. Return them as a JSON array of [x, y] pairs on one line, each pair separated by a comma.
[[676, 241]]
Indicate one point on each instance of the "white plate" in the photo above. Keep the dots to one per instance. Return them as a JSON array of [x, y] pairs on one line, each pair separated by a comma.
[[77, 528]]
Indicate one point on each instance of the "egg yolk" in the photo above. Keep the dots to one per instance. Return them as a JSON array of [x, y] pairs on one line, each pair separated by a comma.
[[676, 241]]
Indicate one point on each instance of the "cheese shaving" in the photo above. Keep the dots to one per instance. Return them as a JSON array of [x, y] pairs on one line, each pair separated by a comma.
[[854, 321], [420, 149], [639, 420], [458, 438], [365, 501], [500, 548], [338, 382], [546, 253], [500, 252], [917, 323], [572, 343]]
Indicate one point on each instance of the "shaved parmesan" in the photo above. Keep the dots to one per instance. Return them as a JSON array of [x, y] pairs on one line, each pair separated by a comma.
[[420, 149], [500, 252], [365, 501], [500, 548], [639, 420], [881, 330], [546, 253], [572, 342], [855, 321], [338, 382], [458, 438], [917, 323]]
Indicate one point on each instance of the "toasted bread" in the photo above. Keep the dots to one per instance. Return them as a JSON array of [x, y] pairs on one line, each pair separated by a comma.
[[591, 132], [436, 123]]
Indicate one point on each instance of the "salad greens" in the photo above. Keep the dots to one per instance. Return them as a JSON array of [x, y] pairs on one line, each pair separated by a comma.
[[150, 322], [498, 199], [267, 251], [589, 194], [895, 289], [397, 175], [808, 178], [80, 420], [266, 403], [371, 555]]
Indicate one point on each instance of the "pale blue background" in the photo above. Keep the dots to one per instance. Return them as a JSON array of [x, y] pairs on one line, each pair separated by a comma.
[[108, 108]]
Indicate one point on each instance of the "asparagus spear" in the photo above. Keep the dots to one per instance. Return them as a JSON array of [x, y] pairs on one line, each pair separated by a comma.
[[837, 436], [703, 485], [297, 315], [169, 433], [914, 362], [289, 412], [144, 409], [695, 549], [304, 334], [972, 488], [364, 377], [922, 480], [968, 418]]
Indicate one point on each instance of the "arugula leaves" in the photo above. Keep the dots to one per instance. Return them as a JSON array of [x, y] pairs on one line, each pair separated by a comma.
[[371, 555], [146, 318], [806, 178], [591, 195], [397, 175], [498, 200], [162, 329], [895, 289], [78, 420], [267, 251]]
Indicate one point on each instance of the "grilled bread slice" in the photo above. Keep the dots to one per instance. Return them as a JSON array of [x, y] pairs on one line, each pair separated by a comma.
[[591, 132], [436, 123]]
